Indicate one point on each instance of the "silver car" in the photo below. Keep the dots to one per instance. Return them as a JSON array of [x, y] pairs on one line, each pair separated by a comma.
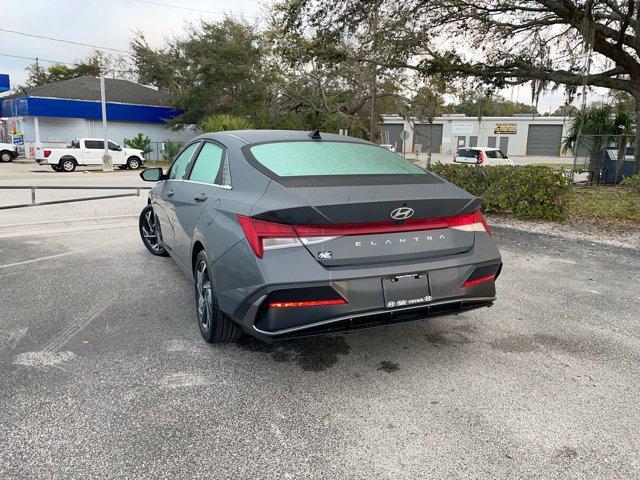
[[290, 234]]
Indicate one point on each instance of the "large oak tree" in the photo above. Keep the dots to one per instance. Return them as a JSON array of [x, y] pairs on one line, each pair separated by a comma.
[[501, 42]]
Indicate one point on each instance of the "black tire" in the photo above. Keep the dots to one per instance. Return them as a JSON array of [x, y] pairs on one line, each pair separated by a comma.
[[6, 156], [150, 232], [133, 163], [214, 325], [67, 165], [55, 168]]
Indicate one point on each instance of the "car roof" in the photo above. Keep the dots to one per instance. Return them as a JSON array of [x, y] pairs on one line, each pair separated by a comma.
[[484, 149], [260, 136]]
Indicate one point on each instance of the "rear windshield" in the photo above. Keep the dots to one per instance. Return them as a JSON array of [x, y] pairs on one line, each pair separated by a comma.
[[298, 159], [467, 153]]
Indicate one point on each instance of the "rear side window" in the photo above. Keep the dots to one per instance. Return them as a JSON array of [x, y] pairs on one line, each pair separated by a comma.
[[323, 158], [207, 164], [467, 153], [492, 154], [94, 144], [180, 165]]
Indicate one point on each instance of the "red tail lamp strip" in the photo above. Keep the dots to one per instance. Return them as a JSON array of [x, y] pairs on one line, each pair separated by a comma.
[[314, 303], [256, 230], [478, 280]]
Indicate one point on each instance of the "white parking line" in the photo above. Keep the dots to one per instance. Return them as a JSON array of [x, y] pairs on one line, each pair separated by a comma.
[[41, 259]]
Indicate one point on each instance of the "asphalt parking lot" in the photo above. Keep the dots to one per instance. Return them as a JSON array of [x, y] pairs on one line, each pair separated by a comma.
[[104, 375]]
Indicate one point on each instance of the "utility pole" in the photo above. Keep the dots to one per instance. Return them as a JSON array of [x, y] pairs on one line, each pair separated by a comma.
[[107, 164], [374, 72]]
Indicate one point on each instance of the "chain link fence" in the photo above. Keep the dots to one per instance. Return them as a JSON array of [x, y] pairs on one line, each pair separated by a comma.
[[606, 159], [163, 151]]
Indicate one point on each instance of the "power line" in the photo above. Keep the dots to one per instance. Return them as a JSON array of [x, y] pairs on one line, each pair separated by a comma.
[[179, 8], [64, 41], [34, 58], [190, 9]]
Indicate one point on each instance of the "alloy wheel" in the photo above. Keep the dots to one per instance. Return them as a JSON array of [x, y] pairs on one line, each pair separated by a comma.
[[204, 300], [150, 231]]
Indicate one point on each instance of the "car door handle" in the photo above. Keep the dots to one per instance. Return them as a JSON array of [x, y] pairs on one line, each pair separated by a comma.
[[170, 193], [200, 198]]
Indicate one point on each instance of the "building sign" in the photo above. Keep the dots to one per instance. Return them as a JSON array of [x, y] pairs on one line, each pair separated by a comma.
[[4, 82], [462, 128], [505, 129]]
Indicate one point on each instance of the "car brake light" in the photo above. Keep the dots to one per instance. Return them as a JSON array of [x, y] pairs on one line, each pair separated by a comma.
[[313, 303], [263, 235], [259, 232], [455, 158], [480, 158], [468, 283], [47, 153], [477, 224]]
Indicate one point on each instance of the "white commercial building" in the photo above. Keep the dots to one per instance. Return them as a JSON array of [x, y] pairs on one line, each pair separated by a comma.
[[520, 135], [54, 114]]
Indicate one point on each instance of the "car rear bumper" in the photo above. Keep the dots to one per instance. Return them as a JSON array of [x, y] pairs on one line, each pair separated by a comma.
[[364, 303], [368, 319]]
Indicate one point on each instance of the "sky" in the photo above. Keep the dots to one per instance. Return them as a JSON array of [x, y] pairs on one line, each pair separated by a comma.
[[111, 23]]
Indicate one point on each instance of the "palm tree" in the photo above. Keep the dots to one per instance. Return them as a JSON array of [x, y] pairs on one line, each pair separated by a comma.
[[595, 126]]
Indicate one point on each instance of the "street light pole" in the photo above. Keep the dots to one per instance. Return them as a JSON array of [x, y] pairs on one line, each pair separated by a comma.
[[107, 164]]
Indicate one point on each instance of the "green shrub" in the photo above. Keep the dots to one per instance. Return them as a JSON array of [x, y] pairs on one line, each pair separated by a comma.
[[526, 191], [139, 142], [631, 184], [171, 149], [221, 123]]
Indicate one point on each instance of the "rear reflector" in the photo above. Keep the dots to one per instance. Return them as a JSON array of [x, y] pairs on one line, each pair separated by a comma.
[[468, 283], [314, 303], [263, 235], [47, 153]]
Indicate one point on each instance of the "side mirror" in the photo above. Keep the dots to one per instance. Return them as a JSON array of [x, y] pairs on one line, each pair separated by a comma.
[[152, 174], [118, 148]]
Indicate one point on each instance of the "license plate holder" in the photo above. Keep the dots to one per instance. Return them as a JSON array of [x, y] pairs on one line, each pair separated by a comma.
[[406, 290]]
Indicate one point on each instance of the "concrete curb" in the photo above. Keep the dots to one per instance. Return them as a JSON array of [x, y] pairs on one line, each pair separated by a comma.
[[61, 224]]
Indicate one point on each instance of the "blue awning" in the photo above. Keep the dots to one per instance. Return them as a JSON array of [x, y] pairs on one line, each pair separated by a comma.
[[58, 107]]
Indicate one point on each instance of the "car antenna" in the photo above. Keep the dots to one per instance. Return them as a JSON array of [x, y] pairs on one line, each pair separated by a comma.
[[315, 135]]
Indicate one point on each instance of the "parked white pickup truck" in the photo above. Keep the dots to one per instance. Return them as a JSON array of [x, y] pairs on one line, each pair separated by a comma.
[[88, 151], [8, 151]]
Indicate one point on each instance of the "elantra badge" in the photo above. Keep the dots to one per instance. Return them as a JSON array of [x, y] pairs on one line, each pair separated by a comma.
[[402, 213]]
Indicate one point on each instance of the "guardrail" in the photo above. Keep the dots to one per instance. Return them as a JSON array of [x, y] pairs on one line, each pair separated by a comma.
[[35, 203]]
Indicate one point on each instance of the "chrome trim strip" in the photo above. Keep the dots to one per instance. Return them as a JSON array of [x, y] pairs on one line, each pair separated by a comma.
[[365, 314]]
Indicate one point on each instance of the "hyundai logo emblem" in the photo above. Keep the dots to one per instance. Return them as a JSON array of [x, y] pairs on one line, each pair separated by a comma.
[[402, 213]]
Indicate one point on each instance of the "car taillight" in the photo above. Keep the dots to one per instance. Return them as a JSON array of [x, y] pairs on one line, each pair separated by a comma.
[[477, 224], [480, 158], [263, 235], [47, 153], [468, 283], [455, 158], [312, 303]]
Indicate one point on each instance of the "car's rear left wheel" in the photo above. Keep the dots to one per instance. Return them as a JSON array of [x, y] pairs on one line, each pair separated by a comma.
[[214, 325], [6, 156], [150, 232]]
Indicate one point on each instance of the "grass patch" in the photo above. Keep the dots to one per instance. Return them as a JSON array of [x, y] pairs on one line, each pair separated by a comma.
[[603, 203]]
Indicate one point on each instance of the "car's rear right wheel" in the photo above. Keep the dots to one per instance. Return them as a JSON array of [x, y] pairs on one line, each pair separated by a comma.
[[214, 325]]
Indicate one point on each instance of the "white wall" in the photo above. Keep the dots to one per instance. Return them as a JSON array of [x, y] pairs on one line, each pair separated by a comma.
[[56, 132], [483, 130]]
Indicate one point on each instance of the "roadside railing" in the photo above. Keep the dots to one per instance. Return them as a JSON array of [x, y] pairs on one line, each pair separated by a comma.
[[35, 188]]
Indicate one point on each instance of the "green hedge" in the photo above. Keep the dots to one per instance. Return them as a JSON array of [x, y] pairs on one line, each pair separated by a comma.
[[526, 191]]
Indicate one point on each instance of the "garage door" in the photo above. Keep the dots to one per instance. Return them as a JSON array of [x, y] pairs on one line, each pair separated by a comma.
[[422, 137], [544, 140], [395, 134]]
